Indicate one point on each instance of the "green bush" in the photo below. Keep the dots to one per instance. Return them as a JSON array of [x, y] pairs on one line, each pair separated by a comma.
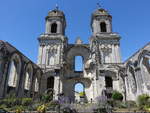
[[143, 100], [26, 101], [117, 96], [46, 98], [9, 102]]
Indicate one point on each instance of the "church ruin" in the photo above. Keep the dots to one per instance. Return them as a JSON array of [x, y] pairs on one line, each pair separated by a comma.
[[102, 68]]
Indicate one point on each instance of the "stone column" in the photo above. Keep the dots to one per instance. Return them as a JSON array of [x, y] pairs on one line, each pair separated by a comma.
[[3, 66], [119, 54], [113, 54], [116, 53], [40, 55], [140, 81], [56, 87], [48, 27]]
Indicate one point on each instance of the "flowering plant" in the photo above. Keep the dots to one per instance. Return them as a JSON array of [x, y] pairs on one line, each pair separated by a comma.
[[41, 108]]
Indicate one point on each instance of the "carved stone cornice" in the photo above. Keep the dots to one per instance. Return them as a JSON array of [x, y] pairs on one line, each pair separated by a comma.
[[106, 38], [47, 39]]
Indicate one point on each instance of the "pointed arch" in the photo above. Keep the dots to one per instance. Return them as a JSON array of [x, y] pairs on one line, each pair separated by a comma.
[[131, 80], [144, 63], [28, 76], [14, 72], [14, 69]]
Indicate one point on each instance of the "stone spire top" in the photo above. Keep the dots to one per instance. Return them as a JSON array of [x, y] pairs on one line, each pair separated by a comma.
[[78, 40]]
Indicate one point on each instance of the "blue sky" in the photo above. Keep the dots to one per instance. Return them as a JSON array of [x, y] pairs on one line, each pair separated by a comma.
[[22, 21]]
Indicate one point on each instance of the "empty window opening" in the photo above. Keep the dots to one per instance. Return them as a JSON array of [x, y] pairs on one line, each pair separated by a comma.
[[109, 82], [54, 28], [103, 27], [50, 83], [78, 63], [27, 81], [12, 80], [12, 77]]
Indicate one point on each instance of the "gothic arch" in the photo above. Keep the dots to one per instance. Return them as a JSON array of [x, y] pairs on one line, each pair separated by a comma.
[[130, 79], [14, 71], [28, 76], [36, 81], [144, 64]]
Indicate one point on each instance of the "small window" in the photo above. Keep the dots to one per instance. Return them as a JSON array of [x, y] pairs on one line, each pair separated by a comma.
[[78, 63], [103, 27], [54, 28], [108, 82], [50, 83]]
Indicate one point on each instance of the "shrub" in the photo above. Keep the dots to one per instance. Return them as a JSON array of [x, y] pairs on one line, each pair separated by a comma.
[[143, 100], [54, 103], [46, 98], [41, 108], [26, 101], [9, 102], [19, 109], [117, 96]]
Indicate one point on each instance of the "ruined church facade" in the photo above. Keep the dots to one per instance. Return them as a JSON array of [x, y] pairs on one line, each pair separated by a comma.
[[102, 71]]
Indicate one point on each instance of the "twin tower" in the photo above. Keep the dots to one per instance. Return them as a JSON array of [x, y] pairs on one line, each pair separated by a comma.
[[57, 57]]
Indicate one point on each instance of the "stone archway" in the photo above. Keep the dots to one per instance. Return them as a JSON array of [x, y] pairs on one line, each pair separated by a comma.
[[144, 63], [79, 92], [130, 81], [69, 88]]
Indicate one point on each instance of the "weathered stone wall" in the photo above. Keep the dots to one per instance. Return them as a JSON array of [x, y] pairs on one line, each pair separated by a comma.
[[137, 70], [18, 74]]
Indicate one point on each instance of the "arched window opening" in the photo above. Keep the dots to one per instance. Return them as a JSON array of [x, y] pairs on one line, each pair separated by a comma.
[[103, 27], [54, 28], [108, 82], [36, 87], [78, 63], [12, 74], [79, 92], [27, 81], [50, 83]]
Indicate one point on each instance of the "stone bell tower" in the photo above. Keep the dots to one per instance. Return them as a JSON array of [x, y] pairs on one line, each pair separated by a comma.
[[107, 42], [53, 41], [51, 50]]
